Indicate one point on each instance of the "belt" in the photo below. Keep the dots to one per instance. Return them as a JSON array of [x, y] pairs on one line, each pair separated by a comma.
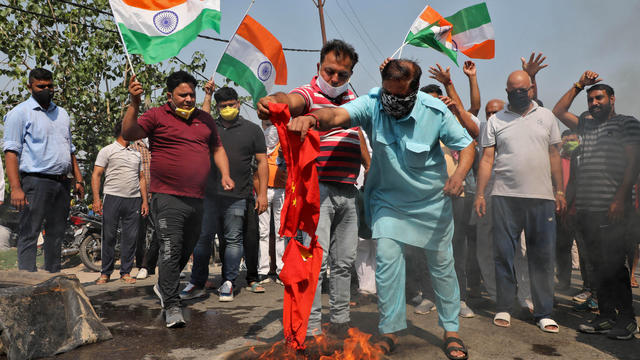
[[54, 177]]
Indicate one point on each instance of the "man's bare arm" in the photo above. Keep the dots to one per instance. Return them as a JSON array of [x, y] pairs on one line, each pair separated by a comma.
[[131, 131], [561, 110], [484, 174], [556, 176], [222, 163], [453, 186], [631, 169], [322, 119], [18, 197], [470, 70], [96, 179], [532, 67], [295, 102]]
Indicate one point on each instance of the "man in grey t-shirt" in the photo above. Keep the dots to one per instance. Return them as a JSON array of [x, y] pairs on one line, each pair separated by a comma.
[[125, 199], [522, 139]]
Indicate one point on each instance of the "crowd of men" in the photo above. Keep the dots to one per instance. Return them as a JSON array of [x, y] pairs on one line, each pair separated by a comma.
[[495, 205]]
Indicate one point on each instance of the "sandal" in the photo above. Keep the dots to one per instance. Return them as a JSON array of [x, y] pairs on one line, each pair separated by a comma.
[[103, 279], [543, 323], [387, 344], [502, 316], [634, 282], [255, 287], [128, 279], [449, 348]]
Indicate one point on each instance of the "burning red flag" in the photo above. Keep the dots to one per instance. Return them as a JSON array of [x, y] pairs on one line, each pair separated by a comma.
[[300, 211]]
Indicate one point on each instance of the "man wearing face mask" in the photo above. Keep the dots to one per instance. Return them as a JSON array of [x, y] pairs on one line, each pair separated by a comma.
[[39, 156], [243, 140], [608, 168], [338, 164], [182, 140], [407, 192], [523, 138]]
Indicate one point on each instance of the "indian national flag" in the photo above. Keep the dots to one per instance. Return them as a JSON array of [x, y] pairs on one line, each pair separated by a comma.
[[159, 29], [472, 32], [432, 30], [254, 59]]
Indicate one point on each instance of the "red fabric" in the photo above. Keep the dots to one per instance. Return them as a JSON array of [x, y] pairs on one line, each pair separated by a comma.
[[301, 207], [301, 210]]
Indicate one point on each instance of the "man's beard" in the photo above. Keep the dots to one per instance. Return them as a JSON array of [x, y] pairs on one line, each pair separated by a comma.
[[600, 112]]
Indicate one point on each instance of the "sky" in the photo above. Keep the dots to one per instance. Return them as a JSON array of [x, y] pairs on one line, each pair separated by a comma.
[[574, 35]]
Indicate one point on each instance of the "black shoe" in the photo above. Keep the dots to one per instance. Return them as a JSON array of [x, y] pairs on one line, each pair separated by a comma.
[[599, 325], [623, 330], [340, 330]]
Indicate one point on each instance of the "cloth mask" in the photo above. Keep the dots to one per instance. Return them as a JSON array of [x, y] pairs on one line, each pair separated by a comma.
[[331, 91], [398, 107], [519, 99], [183, 113], [229, 113], [43, 97], [569, 146]]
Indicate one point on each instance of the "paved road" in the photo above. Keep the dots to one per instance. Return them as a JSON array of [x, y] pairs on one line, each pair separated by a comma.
[[133, 315]]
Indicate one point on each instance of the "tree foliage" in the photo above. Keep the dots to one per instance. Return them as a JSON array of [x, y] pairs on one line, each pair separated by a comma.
[[81, 46]]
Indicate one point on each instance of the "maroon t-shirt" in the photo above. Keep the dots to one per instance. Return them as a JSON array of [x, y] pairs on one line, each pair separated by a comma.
[[180, 150]]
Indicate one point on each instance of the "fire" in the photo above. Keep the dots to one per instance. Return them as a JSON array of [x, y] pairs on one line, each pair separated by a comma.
[[356, 347]]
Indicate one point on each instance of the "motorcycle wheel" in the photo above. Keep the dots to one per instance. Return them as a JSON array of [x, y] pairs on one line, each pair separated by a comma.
[[90, 252]]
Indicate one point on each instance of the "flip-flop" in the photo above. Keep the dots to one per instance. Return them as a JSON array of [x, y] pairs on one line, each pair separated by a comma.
[[504, 316], [255, 287], [103, 279], [543, 323], [448, 348], [128, 279]]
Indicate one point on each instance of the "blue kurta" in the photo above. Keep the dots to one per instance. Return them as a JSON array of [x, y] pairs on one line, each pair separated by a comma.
[[404, 200]]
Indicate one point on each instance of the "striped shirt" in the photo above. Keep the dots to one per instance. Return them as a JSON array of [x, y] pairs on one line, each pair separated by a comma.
[[339, 158], [142, 148], [602, 160]]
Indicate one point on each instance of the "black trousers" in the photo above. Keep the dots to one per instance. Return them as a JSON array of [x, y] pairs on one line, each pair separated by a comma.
[[178, 222], [606, 251], [565, 233], [116, 209], [251, 240], [47, 200]]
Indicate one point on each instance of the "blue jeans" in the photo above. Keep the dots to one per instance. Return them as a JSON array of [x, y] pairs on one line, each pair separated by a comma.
[[537, 217], [226, 214]]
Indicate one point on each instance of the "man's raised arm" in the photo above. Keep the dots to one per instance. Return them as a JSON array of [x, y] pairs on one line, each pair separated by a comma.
[[561, 110], [131, 131], [321, 119], [295, 102]]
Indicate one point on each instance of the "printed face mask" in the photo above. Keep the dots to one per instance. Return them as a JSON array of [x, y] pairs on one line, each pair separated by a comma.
[[398, 107], [569, 146], [519, 99], [229, 113], [331, 91]]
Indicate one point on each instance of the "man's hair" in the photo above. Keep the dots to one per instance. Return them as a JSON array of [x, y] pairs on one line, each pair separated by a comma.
[[608, 89], [40, 74], [432, 88], [225, 94], [117, 129], [400, 69], [340, 48], [568, 132], [174, 80]]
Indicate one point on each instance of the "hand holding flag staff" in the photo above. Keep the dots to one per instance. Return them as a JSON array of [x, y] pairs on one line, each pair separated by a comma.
[[468, 31]]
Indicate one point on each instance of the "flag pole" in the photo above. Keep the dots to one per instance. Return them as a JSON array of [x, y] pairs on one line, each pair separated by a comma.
[[122, 40], [405, 37], [231, 39]]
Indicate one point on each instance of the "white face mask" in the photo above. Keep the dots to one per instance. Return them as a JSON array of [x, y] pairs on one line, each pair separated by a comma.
[[331, 91]]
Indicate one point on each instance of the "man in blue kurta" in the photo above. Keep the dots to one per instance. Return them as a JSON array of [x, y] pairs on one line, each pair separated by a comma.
[[406, 191]]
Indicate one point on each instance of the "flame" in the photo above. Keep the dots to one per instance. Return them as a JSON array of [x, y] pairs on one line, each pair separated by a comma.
[[356, 347]]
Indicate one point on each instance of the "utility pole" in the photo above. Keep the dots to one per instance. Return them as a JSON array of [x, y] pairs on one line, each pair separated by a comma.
[[320, 4]]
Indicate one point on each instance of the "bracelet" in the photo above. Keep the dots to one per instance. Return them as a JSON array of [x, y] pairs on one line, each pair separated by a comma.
[[317, 126], [578, 86], [480, 196], [560, 192]]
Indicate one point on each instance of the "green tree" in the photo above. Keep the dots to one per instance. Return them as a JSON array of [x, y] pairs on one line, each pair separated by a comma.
[[77, 41]]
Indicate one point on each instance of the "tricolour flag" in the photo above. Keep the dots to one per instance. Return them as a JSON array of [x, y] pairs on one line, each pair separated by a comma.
[[159, 29], [472, 32], [432, 30], [254, 59]]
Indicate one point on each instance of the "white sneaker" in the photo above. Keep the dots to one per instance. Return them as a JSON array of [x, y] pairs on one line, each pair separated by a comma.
[[142, 274], [465, 311], [225, 292], [191, 292]]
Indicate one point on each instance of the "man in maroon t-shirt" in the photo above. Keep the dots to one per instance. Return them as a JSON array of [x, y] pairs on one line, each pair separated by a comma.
[[182, 139]]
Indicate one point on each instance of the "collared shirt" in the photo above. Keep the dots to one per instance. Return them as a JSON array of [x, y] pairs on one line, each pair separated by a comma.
[[404, 200], [122, 170], [522, 168], [40, 137], [180, 150], [339, 157], [145, 154]]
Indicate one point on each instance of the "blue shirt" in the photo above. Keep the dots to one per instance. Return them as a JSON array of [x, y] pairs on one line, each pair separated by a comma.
[[404, 200], [41, 137]]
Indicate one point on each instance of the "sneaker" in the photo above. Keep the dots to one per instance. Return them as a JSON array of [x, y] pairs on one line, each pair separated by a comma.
[[174, 317], [278, 281], [466, 311], [590, 305], [142, 274], [583, 296], [183, 274], [425, 307], [156, 290], [263, 279], [225, 292], [623, 330], [191, 292], [599, 325], [340, 330]]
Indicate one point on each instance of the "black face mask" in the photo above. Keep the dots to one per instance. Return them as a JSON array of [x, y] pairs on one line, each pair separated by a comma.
[[519, 99], [43, 97], [398, 107]]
